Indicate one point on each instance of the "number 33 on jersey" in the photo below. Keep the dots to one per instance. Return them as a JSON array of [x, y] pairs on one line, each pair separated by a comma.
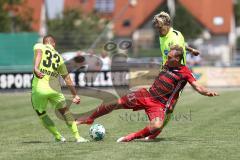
[[52, 63]]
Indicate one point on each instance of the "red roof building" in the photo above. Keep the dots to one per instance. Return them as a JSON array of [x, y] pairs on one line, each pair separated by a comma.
[[215, 15]]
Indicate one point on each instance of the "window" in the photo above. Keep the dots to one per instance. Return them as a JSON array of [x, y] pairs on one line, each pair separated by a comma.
[[126, 23], [105, 6], [218, 21]]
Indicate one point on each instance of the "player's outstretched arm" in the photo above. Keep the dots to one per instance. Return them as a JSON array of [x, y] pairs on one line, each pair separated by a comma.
[[193, 51], [69, 83], [37, 60], [202, 90]]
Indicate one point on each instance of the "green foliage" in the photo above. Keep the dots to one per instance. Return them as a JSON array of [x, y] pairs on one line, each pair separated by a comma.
[[22, 25], [237, 12], [75, 30], [14, 1], [19, 21], [185, 23], [238, 43], [4, 19]]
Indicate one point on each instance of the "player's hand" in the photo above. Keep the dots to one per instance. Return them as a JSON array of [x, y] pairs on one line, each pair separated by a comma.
[[38, 74], [195, 52], [212, 94], [76, 99]]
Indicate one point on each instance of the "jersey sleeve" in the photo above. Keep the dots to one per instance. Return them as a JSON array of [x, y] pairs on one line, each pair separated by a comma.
[[62, 69], [189, 75], [38, 46]]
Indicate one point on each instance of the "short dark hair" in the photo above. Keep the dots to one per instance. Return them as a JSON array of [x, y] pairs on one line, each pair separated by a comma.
[[179, 50], [48, 36]]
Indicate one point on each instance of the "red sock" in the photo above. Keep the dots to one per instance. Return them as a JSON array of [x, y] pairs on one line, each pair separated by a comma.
[[102, 110], [139, 134], [155, 134]]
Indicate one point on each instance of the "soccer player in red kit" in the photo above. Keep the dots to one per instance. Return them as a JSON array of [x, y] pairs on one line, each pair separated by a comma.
[[158, 100]]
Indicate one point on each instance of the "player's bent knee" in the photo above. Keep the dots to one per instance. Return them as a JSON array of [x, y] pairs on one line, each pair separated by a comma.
[[63, 110], [156, 125]]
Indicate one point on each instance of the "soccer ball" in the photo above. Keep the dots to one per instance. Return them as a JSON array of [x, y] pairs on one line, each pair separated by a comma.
[[97, 132]]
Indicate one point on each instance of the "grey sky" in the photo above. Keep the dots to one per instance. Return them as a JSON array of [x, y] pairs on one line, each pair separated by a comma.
[[54, 8]]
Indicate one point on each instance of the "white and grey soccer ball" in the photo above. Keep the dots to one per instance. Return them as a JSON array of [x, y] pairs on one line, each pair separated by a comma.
[[97, 132]]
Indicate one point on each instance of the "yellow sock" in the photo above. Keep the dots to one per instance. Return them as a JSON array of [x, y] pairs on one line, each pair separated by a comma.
[[71, 124]]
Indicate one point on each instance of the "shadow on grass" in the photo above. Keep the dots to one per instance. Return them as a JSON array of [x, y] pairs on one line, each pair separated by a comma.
[[39, 142], [156, 140], [168, 139], [35, 142]]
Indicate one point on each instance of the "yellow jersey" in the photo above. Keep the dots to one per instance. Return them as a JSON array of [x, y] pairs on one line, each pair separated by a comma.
[[52, 66]]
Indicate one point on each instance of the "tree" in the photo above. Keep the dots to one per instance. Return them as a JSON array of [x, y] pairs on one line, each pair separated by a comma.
[[238, 43], [237, 18], [237, 12], [15, 16], [75, 30], [186, 23], [4, 18]]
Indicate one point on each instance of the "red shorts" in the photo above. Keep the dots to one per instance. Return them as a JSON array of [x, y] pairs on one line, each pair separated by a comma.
[[142, 100]]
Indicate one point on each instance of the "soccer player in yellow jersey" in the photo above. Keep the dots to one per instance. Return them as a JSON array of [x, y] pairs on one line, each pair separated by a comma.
[[169, 37], [48, 66]]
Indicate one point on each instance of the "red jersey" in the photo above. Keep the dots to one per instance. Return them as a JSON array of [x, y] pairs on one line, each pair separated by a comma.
[[169, 83]]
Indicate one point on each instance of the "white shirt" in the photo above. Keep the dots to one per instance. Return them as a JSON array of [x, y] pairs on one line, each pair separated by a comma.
[[106, 62]]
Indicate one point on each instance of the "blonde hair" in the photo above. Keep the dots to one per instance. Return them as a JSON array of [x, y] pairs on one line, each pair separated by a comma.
[[162, 18]]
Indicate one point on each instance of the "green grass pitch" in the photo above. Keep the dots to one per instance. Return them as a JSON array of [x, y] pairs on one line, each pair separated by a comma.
[[201, 128]]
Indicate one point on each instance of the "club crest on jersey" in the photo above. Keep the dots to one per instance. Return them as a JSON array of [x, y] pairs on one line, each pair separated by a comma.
[[166, 52]]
